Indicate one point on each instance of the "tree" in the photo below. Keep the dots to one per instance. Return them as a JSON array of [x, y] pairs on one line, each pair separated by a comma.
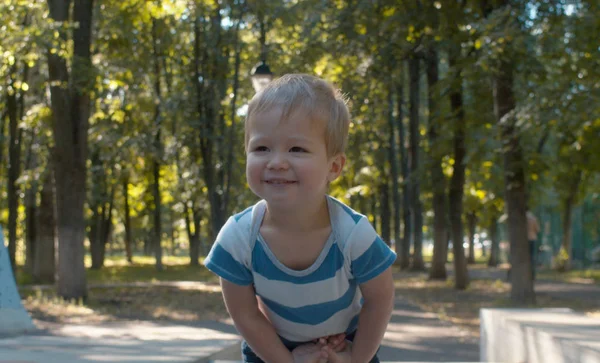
[[457, 180], [44, 266], [403, 149], [416, 207], [13, 97], [514, 168], [394, 172], [438, 263], [70, 98]]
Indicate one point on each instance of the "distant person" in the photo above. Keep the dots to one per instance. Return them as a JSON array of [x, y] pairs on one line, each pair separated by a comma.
[[533, 228], [300, 271]]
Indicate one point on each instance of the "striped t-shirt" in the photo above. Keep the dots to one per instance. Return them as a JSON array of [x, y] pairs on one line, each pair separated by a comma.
[[321, 300]]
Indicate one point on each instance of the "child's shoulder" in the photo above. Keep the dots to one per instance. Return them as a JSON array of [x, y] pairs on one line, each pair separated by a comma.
[[341, 212], [244, 214], [345, 220], [248, 213], [243, 222]]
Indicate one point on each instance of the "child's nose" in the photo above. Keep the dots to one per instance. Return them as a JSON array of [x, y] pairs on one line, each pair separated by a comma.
[[278, 161]]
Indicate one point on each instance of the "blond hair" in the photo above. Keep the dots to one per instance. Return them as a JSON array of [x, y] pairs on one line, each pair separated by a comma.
[[315, 96]]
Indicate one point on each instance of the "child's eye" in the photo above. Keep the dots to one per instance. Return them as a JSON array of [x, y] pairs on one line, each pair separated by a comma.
[[298, 149], [261, 148]]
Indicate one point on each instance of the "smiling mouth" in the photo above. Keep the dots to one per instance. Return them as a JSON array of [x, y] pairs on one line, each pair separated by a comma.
[[280, 182]]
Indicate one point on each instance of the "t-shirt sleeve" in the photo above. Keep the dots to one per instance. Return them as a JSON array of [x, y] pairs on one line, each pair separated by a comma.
[[229, 256], [369, 255]]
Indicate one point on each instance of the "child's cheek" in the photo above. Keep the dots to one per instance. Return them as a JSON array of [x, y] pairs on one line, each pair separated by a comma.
[[253, 172]]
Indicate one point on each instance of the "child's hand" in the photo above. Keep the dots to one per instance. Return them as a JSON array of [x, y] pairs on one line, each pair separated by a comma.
[[344, 356], [336, 342], [310, 353]]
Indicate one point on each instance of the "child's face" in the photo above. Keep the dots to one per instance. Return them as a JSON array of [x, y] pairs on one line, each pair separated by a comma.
[[287, 163]]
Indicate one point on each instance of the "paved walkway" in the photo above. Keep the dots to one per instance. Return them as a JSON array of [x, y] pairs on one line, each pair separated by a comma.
[[123, 342], [588, 292], [412, 336], [417, 336]]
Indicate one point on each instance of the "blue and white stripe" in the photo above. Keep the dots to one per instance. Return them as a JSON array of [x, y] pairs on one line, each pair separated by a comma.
[[321, 300]]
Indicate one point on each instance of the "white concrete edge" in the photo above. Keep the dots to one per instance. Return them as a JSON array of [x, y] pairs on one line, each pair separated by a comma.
[[15, 322]]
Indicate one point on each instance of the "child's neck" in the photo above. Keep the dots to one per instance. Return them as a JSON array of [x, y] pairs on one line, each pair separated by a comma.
[[301, 220]]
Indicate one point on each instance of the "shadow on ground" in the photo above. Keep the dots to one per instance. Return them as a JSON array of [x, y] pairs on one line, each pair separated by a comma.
[[416, 335]]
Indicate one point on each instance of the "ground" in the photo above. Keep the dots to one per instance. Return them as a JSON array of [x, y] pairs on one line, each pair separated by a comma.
[[137, 292]]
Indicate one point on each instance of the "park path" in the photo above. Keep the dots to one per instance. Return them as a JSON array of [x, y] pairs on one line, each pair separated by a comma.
[[588, 292], [413, 335]]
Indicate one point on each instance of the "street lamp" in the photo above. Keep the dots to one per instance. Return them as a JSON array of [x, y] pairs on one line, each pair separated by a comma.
[[261, 76], [261, 73]]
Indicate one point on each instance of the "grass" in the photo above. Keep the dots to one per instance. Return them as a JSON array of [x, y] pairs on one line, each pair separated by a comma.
[[202, 300], [153, 303], [479, 258], [118, 270], [578, 276], [192, 302]]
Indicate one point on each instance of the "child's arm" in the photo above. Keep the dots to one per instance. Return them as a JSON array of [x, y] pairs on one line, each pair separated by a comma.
[[378, 294], [252, 324]]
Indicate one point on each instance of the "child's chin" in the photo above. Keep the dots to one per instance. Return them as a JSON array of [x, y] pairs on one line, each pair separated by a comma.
[[282, 201]]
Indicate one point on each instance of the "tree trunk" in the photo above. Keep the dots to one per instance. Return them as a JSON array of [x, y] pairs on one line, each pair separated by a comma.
[[44, 266], [157, 152], [2, 138], [128, 240], [97, 206], [514, 171], [197, 217], [232, 128], [374, 212], [448, 239], [30, 217], [471, 225], [193, 236], [483, 249], [416, 208], [101, 205], [406, 217], [383, 191], [567, 237], [30, 205], [14, 170], [495, 245], [30, 225], [70, 114], [106, 224], [206, 111], [384, 203], [514, 176], [438, 263], [396, 204], [172, 233], [457, 181]]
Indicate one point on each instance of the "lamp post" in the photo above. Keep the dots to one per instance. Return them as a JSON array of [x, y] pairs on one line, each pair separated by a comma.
[[261, 73], [261, 76]]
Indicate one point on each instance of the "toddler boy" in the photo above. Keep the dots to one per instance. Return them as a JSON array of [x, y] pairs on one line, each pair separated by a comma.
[[300, 266]]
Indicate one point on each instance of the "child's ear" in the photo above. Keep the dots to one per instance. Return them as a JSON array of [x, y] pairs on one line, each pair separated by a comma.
[[336, 165]]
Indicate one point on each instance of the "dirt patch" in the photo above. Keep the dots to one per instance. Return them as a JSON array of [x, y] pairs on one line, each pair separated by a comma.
[[196, 302], [462, 307], [156, 303]]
